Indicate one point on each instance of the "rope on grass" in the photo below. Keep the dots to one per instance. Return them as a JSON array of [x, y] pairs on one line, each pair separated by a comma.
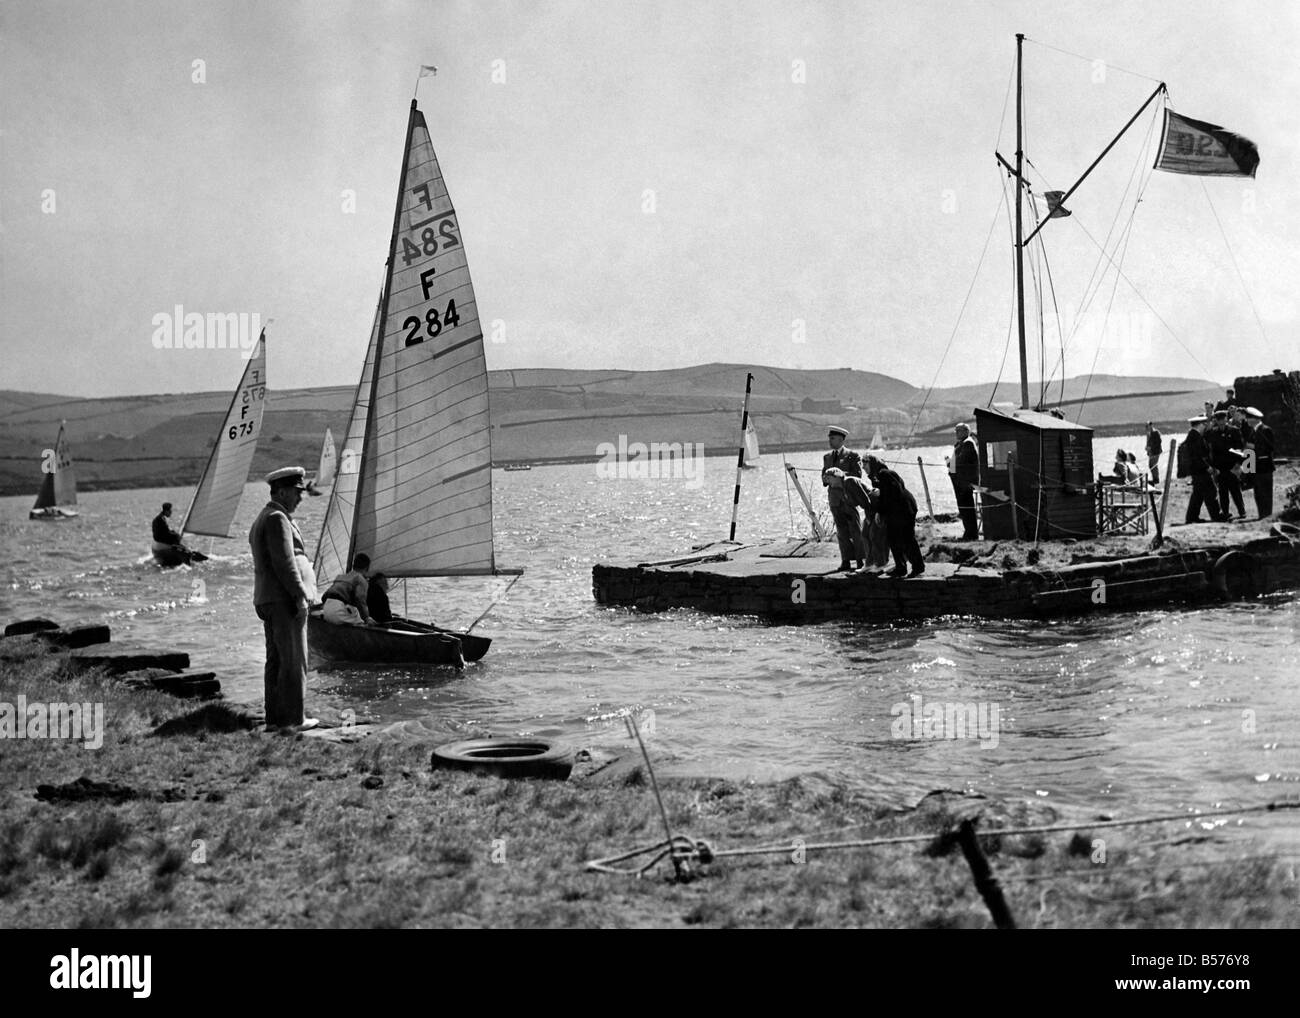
[[685, 850]]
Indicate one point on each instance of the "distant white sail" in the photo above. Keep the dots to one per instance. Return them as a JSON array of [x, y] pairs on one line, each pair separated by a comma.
[[217, 499], [425, 495], [877, 442], [325, 474], [336, 531], [751, 442], [59, 480]]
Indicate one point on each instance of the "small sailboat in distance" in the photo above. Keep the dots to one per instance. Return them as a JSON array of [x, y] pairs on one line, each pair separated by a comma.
[[325, 473], [414, 487], [216, 500], [59, 483], [751, 444]]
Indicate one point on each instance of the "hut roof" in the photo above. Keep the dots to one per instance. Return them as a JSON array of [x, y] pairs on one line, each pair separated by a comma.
[[1032, 419]]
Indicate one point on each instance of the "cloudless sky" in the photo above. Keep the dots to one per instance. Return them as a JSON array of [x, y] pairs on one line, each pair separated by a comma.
[[648, 187]]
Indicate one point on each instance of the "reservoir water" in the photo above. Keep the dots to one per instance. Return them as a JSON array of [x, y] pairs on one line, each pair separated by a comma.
[[1128, 713]]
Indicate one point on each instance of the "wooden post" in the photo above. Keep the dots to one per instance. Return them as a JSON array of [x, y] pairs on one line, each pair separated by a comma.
[[1011, 477], [926, 485], [1169, 473], [807, 502], [740, 457], [985, 882]]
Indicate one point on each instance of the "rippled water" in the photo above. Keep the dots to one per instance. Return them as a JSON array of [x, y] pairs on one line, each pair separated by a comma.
[[1135, 712]]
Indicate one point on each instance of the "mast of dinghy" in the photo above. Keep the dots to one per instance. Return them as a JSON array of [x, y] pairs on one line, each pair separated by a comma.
[[379, 338]]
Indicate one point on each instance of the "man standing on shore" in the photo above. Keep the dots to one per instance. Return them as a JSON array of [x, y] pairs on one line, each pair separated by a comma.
[[1197, 454], [964, 471], [284, 585], [848, 528], [1155, 446], [1260, 438]]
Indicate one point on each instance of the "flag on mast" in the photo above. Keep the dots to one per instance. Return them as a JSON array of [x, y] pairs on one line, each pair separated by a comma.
[[427, 70], [1205, 150]]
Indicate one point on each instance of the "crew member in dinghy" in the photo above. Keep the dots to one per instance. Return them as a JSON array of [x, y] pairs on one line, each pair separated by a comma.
[[377, 600], [164, 536], [346, 601]]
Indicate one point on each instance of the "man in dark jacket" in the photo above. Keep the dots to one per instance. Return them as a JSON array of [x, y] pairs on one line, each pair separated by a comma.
[[1155, 446], [897, 507], [1225, 441], [284, 585], [1259, 437], [1201, 472], [848, 528], [964, 470]]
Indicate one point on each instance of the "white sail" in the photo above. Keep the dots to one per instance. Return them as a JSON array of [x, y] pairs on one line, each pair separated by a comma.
[[325, 474], [59, 483], [877, 442], [336, 530], [217, 499], [425, 495], [751, 442]]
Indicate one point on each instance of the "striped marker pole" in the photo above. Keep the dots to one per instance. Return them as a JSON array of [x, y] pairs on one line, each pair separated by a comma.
[[740, 455]]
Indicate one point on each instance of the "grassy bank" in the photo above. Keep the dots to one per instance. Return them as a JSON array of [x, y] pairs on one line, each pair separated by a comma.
[[202, 819]]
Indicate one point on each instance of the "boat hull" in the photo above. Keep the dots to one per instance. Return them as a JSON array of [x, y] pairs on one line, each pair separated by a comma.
[[52, 513], [412, 643], [171, 556]]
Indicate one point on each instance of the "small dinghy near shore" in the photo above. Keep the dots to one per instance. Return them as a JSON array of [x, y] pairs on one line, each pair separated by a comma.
[[402, 641], [58, 483]]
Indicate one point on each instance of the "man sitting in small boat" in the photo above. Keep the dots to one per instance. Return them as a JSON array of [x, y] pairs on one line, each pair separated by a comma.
[[163, 535], [345, 603], [377, 600]]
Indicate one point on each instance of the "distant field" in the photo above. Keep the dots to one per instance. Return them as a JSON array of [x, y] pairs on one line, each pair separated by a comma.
[[548, 414]]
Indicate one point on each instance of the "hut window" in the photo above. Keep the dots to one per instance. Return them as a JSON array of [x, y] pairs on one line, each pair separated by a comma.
[[997, 452]]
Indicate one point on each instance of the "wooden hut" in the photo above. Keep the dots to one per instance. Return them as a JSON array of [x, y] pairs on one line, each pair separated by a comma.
[[1036, 476]]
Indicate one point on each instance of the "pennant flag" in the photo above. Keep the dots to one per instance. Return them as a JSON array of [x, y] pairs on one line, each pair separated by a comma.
[[1207, 150], [427, 69], [1055, 210]]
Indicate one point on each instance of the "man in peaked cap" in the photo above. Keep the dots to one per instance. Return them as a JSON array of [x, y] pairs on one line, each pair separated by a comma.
[[1259, 439], [848, 528], [284, 585], [1197, 454], [1225, 440]]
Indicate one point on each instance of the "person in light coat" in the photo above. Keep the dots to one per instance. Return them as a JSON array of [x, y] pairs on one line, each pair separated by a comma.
[[284, 586]]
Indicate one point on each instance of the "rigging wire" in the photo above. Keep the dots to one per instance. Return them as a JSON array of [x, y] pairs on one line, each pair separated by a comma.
[[1011, 317], [956, 325], [1093, 60], [1236, 268]]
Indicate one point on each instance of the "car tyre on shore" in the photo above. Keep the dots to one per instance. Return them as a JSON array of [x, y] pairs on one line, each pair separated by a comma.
[[507, 757]]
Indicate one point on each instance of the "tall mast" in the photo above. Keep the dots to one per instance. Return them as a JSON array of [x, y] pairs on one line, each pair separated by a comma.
[[1020, 247], [379, 339]]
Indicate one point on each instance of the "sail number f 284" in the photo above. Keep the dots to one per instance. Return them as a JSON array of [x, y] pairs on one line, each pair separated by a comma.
[[433, 322]]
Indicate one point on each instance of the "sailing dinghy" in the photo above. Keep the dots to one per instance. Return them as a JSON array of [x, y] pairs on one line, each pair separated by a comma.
[[414, 485], [325, 472], [216, 500], [59, 484]]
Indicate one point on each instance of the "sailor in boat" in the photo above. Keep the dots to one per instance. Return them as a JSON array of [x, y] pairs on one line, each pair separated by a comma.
[[964, 472], [1259, 439], [848, 529], [284, 586], [164, 537], [1225, 441], [380, 610], [1196, 453], [897, 507], [346, 602]]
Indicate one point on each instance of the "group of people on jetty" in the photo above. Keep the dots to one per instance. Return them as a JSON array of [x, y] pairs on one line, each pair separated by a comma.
[[890, 524], [1228, 448]]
